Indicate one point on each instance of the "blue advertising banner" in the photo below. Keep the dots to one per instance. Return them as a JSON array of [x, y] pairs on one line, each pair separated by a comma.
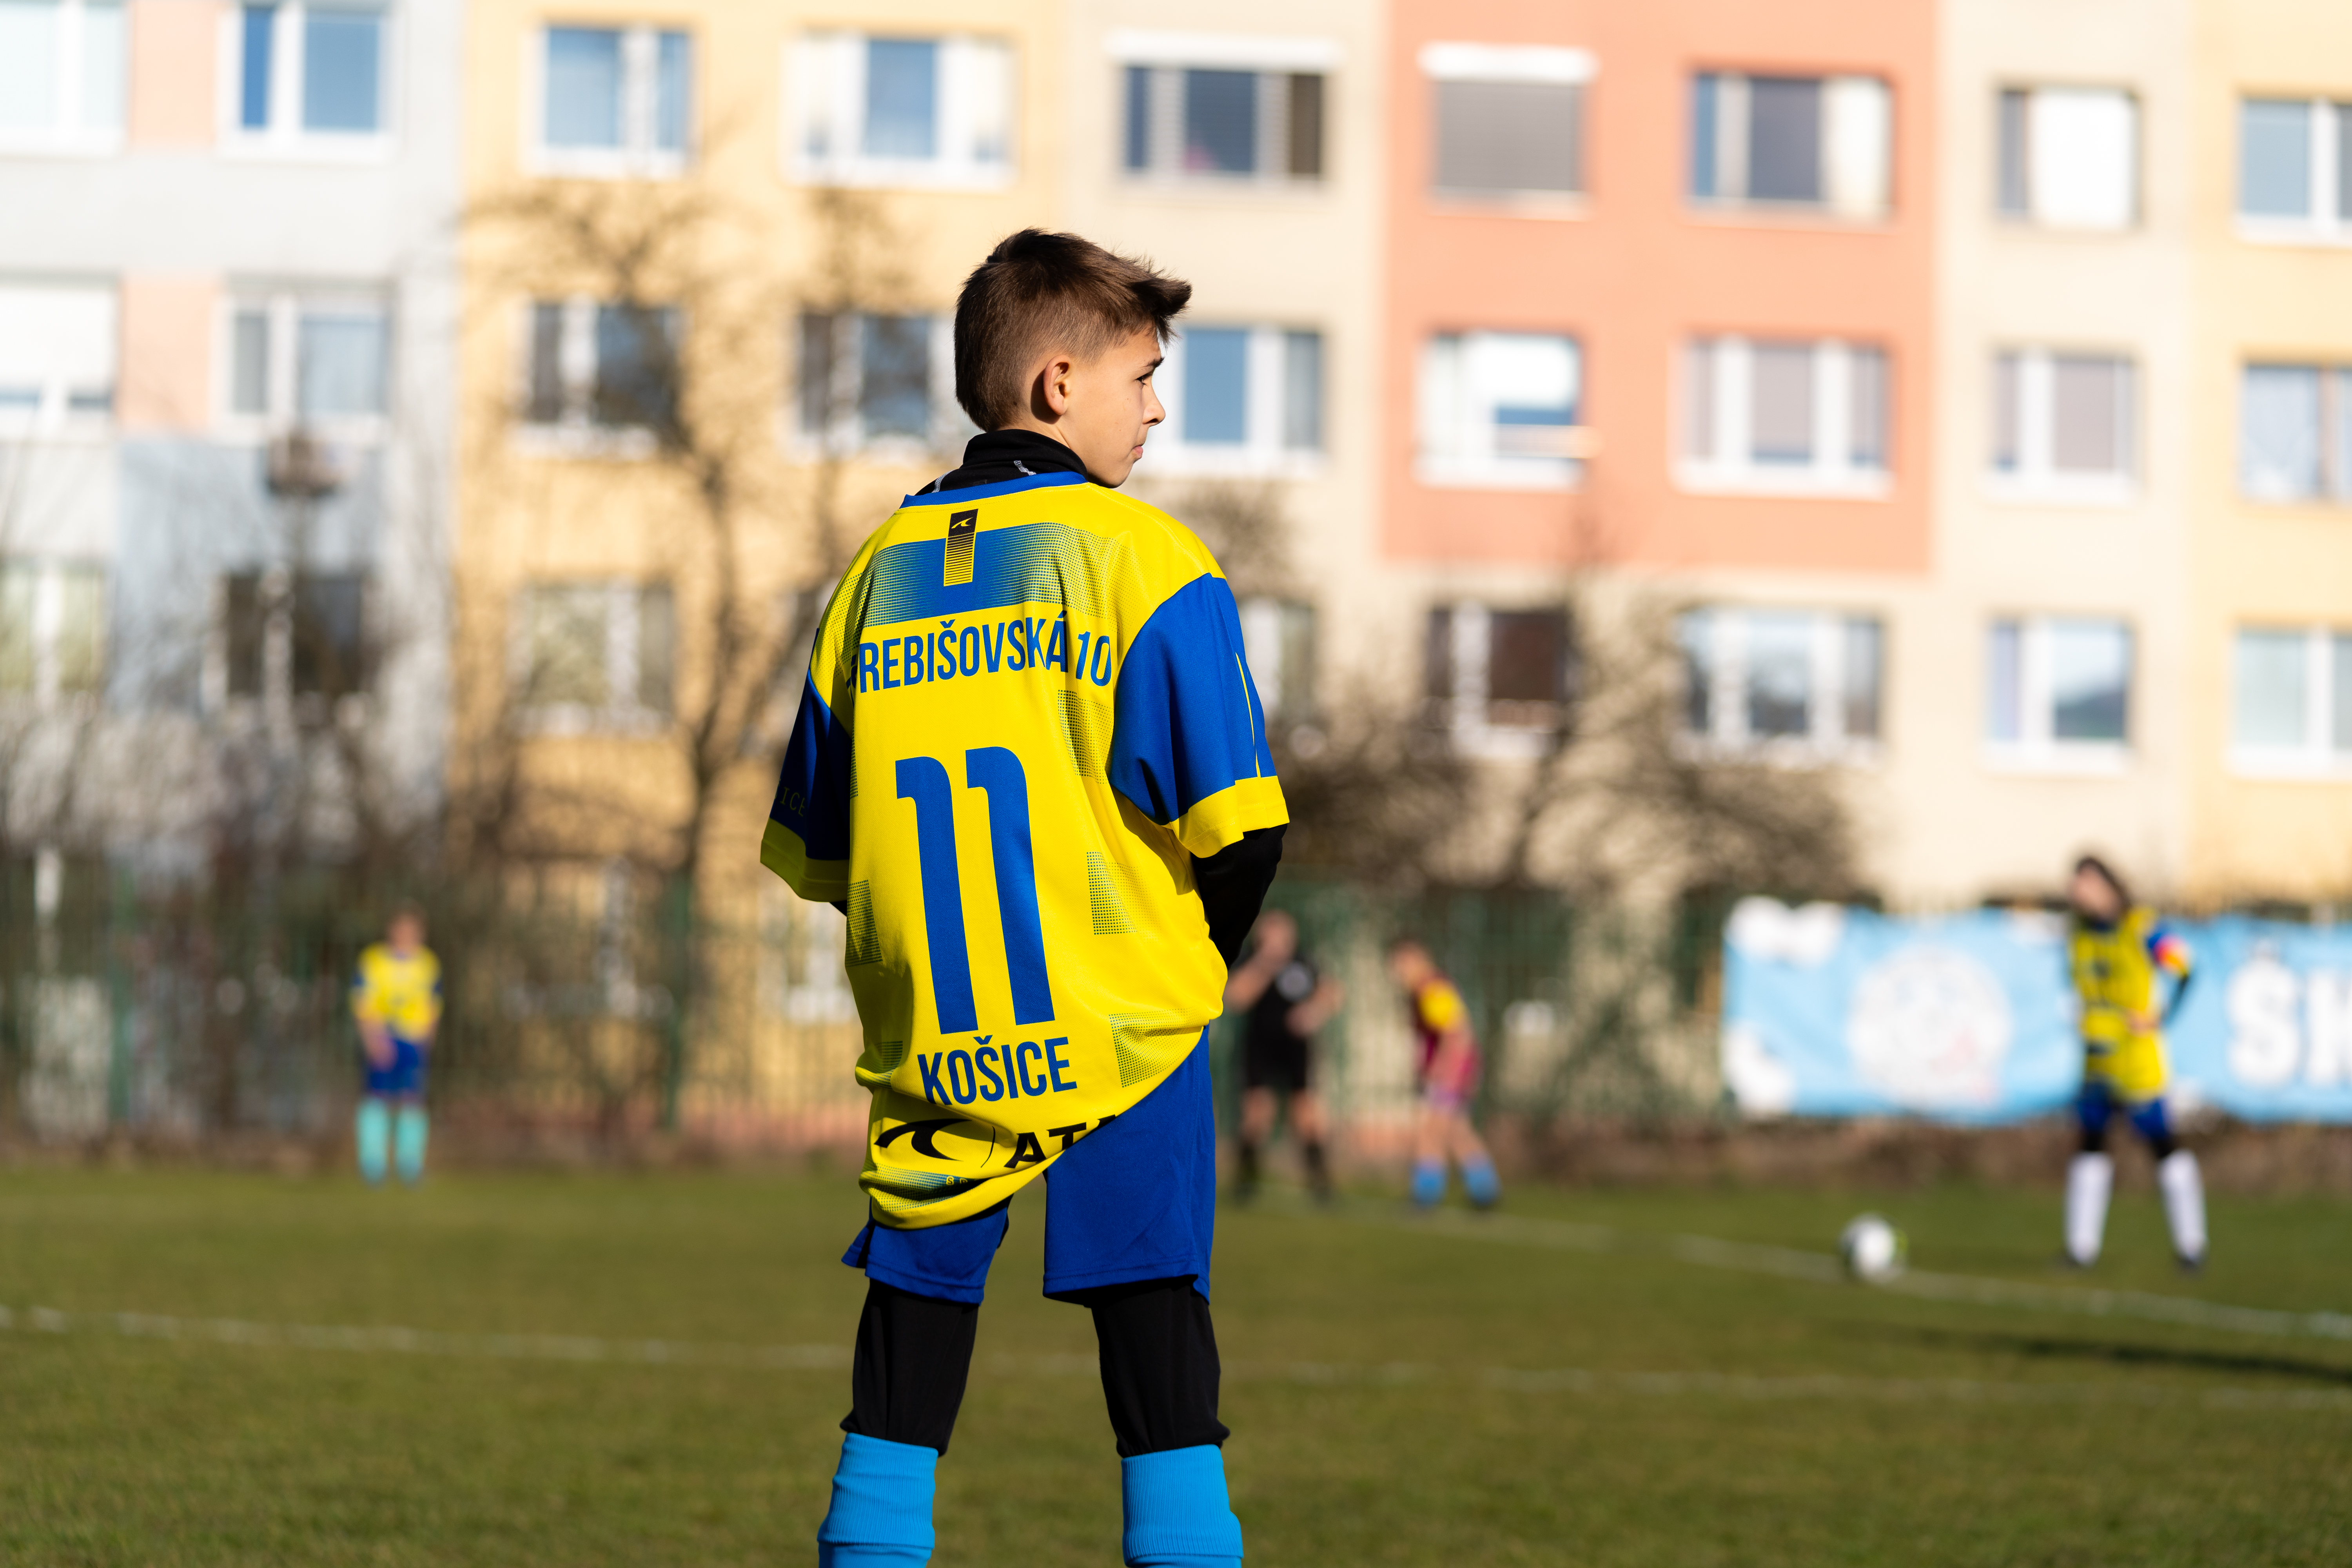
[[1971, 1017]]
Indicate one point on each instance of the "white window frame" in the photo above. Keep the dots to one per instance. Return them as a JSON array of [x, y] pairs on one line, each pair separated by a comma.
[[2325, 225], [2317, 757], [2035, 479], [2036, 214], [69, 135], [1731, 469], [624, 656], [1825, 738], [824, 75], [1471, 62], [844, 434], [2036, 750], [1263, 53], [1469, 654], [278, 586], [54, 417], [576, 434], [1262, 452], [1443, 400], [2335, 463], [1855, 188], [285, 307], [49, 575], [636, 158], [284, 138]]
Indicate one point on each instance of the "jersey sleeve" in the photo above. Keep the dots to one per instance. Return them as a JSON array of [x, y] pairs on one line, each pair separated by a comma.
[[1440, 1007], [363, 995], [1188, 736], [807, 837]]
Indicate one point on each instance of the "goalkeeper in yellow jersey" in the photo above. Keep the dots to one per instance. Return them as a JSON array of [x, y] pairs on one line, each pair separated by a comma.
[[1030, 767], [396, 1002], [2120, 955]]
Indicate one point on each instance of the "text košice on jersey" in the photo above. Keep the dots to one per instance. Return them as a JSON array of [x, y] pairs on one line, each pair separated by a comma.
[[1026, 710]]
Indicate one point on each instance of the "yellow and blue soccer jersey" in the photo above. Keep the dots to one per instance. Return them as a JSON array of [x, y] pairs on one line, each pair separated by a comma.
[[2115, 969], [1026, 710], [402, 994]]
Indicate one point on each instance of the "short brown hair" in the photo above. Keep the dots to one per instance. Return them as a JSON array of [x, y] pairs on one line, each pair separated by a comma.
[[1038, 291]]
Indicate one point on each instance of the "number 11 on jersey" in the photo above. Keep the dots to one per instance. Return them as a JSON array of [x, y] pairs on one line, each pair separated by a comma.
[[996, 773]]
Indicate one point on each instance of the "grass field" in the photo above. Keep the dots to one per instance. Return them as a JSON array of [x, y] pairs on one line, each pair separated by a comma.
[[1399, 1393]]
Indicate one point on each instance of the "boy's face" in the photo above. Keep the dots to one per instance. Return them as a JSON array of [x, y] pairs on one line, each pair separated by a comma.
[[2094, 897], [1103, 408], [406, 935]]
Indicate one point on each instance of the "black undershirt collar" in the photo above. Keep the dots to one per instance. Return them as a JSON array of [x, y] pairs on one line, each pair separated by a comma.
[[995, 456]]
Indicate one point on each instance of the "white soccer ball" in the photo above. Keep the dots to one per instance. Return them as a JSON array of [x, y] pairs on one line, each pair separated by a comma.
[[1872, 1249]]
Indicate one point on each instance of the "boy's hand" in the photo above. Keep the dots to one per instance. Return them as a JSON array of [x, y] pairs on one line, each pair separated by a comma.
[[377, 1043]]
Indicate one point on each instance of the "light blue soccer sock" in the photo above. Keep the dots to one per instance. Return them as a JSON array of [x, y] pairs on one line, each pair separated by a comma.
[[1478, 1176], [373, 1129], [408, 1143], [1428, 1183], [881, 1513], [1177, 1515]]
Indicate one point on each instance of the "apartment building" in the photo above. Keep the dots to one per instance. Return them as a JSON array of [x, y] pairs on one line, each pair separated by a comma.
[[1660, 325], [224, 316], [2268, 685]]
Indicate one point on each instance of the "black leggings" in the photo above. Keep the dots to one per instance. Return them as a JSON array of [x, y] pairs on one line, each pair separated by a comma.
[[1158, 1351]]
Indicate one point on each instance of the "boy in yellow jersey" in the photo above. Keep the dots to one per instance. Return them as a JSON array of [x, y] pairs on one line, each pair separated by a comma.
[[2116, 953], [1030, 768], [396, 1000]]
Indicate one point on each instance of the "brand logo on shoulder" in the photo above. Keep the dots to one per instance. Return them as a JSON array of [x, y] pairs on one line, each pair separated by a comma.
[[963, 532]]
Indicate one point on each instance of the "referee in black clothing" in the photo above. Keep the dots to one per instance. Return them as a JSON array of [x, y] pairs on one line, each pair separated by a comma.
[[1287, 999]]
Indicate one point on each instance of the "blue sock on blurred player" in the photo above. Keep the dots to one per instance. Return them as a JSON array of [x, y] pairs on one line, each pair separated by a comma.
[[1178, 1514], [1428, 1183], [373, 1129], [881, 1512], [1478, 1176], [408, 1143]]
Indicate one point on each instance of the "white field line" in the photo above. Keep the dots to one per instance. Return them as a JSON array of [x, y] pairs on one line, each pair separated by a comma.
[[586, 1350], [1570, 1236]]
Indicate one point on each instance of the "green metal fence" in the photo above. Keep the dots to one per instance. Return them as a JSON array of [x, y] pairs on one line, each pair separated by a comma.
[[609, 1008]]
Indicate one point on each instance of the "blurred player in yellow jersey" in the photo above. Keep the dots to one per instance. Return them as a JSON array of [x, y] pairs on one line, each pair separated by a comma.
[[396, 1002], [1448, 1077], [2118, 954]]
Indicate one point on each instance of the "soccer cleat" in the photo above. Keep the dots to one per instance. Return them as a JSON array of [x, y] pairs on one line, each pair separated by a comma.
[[2191, 1263]]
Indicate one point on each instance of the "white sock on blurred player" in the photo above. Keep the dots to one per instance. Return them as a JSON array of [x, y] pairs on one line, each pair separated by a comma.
[[2089, 1180], [2184, 1203]]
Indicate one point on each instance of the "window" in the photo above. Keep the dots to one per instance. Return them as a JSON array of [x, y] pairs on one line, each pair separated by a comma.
[[1801, 680], [2293, 701], [597, 656], [2058, 692], [1240, 400], [1784, 417], [1201, 106], [52, 629], [2295, 432], [1802, 142], [1500, 679], [312, 359], [875, 380], [2062, 424], [602, 367], [1502, 410], [298, 635], [2294, 168], [1278, 635], [923, 111], [2069, 157], [615, 101], [308, 75], [1510, 121], [61, 75], [57, 357]]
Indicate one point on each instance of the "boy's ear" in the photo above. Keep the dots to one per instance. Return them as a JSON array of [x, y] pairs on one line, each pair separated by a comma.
[[1049, 390]]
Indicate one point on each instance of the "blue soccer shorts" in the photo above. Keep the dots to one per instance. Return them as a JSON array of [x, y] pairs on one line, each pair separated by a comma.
[[404, 1078], [1135, 1200]]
